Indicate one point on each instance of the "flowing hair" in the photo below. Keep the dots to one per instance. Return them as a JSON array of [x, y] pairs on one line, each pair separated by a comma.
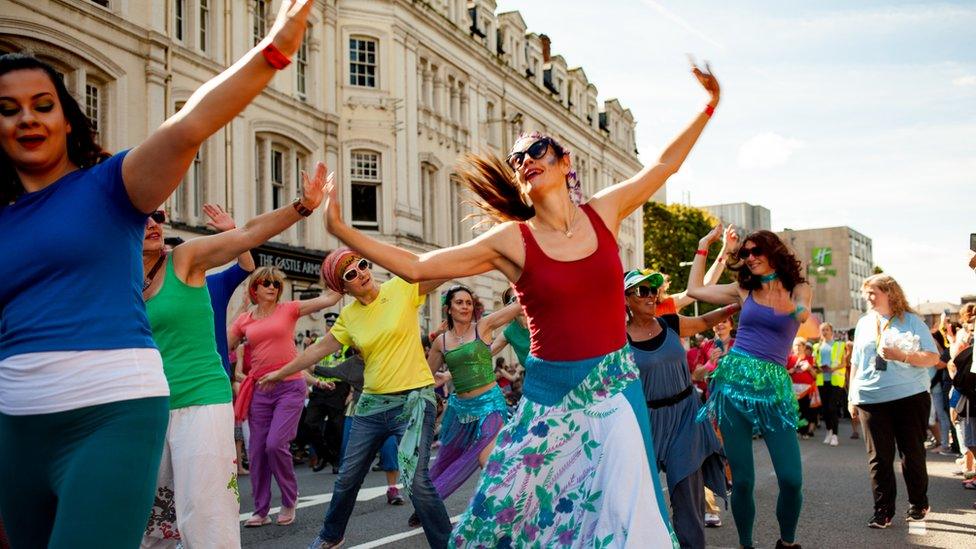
[[897, 301], [83, 151], [780, 258]]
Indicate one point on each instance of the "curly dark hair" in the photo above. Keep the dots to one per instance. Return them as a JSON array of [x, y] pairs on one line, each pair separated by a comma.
[[446, 304], [781, 259], [83, 151]]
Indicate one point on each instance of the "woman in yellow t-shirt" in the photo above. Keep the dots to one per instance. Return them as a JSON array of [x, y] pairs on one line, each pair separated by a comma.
[[398, 390]]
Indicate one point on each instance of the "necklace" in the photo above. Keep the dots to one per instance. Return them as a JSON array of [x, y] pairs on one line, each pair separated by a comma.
[[572, 223], [768, 278]]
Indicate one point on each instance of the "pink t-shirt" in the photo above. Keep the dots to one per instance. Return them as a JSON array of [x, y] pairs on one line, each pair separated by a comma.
[[271, 339]]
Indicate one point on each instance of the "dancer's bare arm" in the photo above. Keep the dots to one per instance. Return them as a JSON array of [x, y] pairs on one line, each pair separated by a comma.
[[435, 358], [153, 169], [719, 294], [325, 346], [316, 304], [730, 242], [618, 201], [499, 344], [691, 325], [497, 319]]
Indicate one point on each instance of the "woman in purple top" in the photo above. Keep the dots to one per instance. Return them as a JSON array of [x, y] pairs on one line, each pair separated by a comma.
[[750, 390]]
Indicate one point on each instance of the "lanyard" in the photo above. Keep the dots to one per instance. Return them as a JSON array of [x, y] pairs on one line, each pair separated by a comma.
[[881, 329]]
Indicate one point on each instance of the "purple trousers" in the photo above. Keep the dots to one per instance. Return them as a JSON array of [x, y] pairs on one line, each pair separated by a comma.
[[458, 459], [273, 419]]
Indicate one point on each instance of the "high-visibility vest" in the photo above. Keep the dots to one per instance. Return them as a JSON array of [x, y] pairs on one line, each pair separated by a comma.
[[838, 374]]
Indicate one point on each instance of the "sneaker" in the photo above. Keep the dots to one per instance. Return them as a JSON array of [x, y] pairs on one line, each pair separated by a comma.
[[713, 520], [780, 544], [916, 513], [393, 496], [827, 438], [946, 451], [931, 443], [833, 440], [880, 521], [855, 435], [413, 521], [320, 543]]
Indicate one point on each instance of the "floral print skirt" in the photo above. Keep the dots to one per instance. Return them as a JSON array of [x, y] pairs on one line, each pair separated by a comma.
[[571, 468]]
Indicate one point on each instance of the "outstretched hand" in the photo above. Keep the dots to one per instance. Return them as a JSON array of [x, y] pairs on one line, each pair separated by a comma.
[[332, 214], [313, 188], [710, 238], [730, 239], [708, 81], [220, 220], [290, 24]]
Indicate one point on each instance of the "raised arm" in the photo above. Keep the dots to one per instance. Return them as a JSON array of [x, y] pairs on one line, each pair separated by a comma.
[[435, 358], [620, 200], [316, 304], [206, 252], [325, 346], [499, 344], [729, 238], [691, 325], [499, 318], [154, 168], [477, 256], [719, 294], [221, 221]]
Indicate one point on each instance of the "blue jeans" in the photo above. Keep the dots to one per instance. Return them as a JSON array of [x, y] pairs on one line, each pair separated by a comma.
[[388, 453], [366, 436], [940, 414]]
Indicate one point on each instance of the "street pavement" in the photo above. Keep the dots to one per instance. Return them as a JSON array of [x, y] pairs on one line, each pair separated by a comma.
[[836, 507]]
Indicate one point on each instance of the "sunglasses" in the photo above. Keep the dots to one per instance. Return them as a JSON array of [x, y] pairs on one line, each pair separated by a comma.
[[754, 251], [267, 283], [643, 291], [159, 216], [352, 272], [536, 150]]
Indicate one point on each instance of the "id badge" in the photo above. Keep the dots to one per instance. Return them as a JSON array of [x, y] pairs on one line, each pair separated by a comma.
[[880, 364]]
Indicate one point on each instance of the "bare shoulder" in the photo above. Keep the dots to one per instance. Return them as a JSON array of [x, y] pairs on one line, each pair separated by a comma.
[[607, 210]]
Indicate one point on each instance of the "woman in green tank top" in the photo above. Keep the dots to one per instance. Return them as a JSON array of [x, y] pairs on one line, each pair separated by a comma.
[[196, 496], [476, 410], [516, 334]]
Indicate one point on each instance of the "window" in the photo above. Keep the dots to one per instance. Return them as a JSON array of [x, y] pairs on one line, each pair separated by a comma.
[[428, 189], [490, 120], [259, 24], [179, 18], [93, 106], [277, 178], [301, 66], [362, 62], [365, 189], [204, 24], [198, 183], [100, 2]]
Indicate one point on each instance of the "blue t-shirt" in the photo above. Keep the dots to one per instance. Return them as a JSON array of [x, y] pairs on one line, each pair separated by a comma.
[[899, 380], [71, 266], [222, 286]]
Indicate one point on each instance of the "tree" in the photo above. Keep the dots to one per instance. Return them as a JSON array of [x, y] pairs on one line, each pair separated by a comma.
[[671, 235], [877, 270]]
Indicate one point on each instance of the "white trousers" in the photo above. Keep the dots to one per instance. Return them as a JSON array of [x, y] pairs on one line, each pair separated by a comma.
[[197, 503]]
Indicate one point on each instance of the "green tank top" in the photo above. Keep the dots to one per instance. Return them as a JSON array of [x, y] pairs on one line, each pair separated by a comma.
[[182, 322], [470, 365], [518, 337]]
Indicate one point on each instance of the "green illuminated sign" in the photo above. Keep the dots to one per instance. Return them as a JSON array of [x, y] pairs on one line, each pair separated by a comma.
[[822, 256]]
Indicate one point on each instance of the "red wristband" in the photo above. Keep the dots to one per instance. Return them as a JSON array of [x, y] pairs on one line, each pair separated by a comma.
[[701, 252], [709, 110], [274, 57]]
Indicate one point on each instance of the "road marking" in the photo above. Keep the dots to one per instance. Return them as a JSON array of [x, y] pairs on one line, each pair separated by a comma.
[[916, 528], [365, 494], [397, 537]]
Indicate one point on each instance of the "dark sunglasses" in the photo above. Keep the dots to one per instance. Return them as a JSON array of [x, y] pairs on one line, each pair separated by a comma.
[[267, 283], [352, 272], [754, 251], [643, 291], [536, 150], [159, 216]]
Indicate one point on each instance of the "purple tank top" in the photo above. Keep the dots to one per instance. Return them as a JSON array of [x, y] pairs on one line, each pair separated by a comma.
[[763, 333]]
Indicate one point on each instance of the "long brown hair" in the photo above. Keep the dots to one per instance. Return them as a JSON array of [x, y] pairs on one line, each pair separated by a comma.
[[499, 194], [780, 258], [897, 302], [83, 151]]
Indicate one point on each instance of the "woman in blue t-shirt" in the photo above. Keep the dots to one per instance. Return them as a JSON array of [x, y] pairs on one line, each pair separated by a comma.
[[81, 382], [889, 393]]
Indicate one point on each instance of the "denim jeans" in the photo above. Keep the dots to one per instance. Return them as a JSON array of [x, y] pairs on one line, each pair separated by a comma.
[[366, 436]]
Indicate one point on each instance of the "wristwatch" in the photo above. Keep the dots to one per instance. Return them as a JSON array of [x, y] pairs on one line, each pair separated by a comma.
[[300, 208]]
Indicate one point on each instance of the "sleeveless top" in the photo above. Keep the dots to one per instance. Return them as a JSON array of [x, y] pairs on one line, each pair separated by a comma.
[[469, 364], [575, 309], [763, 333], [518, 337], [664, 370], [182, 322]]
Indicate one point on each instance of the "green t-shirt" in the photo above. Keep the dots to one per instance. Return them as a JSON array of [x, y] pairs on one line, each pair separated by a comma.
[[518, 337], [182, 322]]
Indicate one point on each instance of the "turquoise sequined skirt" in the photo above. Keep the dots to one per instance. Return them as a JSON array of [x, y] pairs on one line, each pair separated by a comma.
[[759, 389]]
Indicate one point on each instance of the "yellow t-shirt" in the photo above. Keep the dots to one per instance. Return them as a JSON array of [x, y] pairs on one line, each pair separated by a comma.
[[387, 333]]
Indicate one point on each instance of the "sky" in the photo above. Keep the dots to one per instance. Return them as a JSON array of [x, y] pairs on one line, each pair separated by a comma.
[[832, 113]]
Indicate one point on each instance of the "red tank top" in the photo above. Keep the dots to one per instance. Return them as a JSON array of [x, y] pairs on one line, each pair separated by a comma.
[[575, 309]]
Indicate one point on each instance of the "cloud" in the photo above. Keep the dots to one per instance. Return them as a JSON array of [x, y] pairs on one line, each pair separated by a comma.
[[969, 80], [767, 150]]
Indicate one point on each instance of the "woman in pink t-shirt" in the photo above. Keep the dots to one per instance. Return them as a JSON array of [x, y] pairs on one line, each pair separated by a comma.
[[272, 413]]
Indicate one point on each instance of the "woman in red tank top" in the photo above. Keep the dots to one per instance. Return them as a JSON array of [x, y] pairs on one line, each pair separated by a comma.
[[548, 480]]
